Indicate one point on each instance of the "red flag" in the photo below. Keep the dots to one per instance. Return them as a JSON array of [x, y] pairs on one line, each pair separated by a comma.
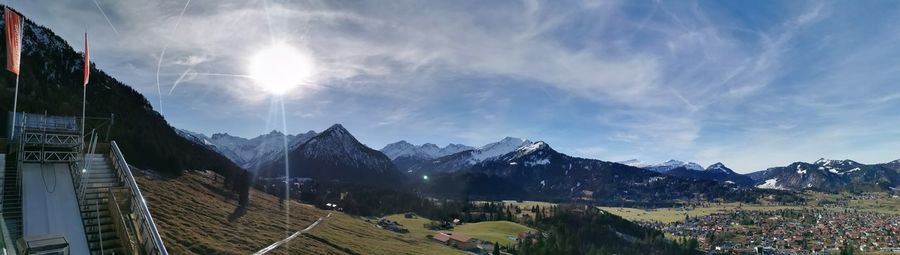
[[13, 24], [87, 61]]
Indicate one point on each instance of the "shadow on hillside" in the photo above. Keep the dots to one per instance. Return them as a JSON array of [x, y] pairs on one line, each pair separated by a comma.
[[239, 212]]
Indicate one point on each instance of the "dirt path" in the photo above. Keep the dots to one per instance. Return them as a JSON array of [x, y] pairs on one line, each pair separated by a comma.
[[289, 238]]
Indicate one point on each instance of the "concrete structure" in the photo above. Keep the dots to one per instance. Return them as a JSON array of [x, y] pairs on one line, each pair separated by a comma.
[[50, 205]]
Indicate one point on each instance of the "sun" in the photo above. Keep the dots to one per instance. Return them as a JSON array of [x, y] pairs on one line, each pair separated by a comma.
[[280, 68]]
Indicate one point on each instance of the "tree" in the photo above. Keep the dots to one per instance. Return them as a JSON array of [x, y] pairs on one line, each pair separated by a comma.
[[496, 248]]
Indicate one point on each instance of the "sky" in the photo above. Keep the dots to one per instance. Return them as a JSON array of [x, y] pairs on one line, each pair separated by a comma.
[[752, 84]]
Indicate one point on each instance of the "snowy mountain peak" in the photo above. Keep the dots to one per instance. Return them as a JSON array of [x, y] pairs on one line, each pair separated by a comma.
[[718, 166], [633, 162], [495, 149], [222, 135], [533, 147], [426, 151], [248, 153], [834, 162], [672, 164], [336, 130]]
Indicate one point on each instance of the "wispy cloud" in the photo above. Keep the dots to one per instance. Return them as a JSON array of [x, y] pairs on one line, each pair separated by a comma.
[[695, 80]]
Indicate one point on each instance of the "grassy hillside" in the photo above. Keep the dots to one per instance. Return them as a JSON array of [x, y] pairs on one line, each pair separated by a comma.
[[493, 231], [192, 217], [360, 237]]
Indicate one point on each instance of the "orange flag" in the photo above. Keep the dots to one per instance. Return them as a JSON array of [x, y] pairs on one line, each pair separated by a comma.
[[87, 61], [13, 24]]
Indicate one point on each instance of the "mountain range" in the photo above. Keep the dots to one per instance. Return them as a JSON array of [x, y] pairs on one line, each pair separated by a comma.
[[500, 166], [335, 155], [460, 160], [248, 153], [831, 175]]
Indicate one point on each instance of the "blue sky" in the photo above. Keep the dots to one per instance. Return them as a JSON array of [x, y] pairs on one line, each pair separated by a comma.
[[752, 84]]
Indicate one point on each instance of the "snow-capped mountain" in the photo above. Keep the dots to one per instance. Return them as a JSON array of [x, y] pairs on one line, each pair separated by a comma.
[[543, 172], [664, 166], [715, 172], [428, 150], [462, 159], [335, 154], [248, 153], [634, 163], [830, 175]]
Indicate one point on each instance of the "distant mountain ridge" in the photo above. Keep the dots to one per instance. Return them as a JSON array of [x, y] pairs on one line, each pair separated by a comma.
[[462, 159], [831, 175], [715, 172], [248, 153], [335, 155], [427, 150], [664, 166], [541, 172]]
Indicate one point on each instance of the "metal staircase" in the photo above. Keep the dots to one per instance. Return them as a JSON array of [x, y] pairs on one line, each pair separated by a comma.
[[99, 223], [114, 214], [12, 198]]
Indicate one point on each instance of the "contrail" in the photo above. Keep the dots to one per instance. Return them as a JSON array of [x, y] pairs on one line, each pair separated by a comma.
[[185, 73], [224, 74], [162, 54], [107, 17], [180, 78]]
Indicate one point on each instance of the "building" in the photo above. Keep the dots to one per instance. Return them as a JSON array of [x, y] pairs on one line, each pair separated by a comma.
[[458, 241]]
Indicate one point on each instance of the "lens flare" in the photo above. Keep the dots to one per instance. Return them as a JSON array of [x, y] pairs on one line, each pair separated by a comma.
[[281, 68]]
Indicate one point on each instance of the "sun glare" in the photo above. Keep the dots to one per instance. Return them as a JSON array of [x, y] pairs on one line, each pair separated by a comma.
[[280, 68]]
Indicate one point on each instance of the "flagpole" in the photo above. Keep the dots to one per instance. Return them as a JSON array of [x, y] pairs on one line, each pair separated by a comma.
[[12, 129], [83, 104]]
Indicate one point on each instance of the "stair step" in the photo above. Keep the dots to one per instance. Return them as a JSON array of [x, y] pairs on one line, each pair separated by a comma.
[[107, 235], [103, 228], [112, 243], [104, 220], [93, 179], [102, 185], [93, 204], [116, 251], [93, 214]]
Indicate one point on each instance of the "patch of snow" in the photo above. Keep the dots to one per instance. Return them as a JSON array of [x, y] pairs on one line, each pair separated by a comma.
[[800, 170], [539, 162], [770, 184], [504, 146], [655, 179]]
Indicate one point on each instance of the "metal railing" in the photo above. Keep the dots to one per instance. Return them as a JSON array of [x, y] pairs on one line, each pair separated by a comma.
[[119, 221], [67, 124], [147, 235]]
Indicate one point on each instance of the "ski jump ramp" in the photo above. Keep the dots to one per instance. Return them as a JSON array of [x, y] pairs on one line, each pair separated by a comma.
[[50, 206]]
